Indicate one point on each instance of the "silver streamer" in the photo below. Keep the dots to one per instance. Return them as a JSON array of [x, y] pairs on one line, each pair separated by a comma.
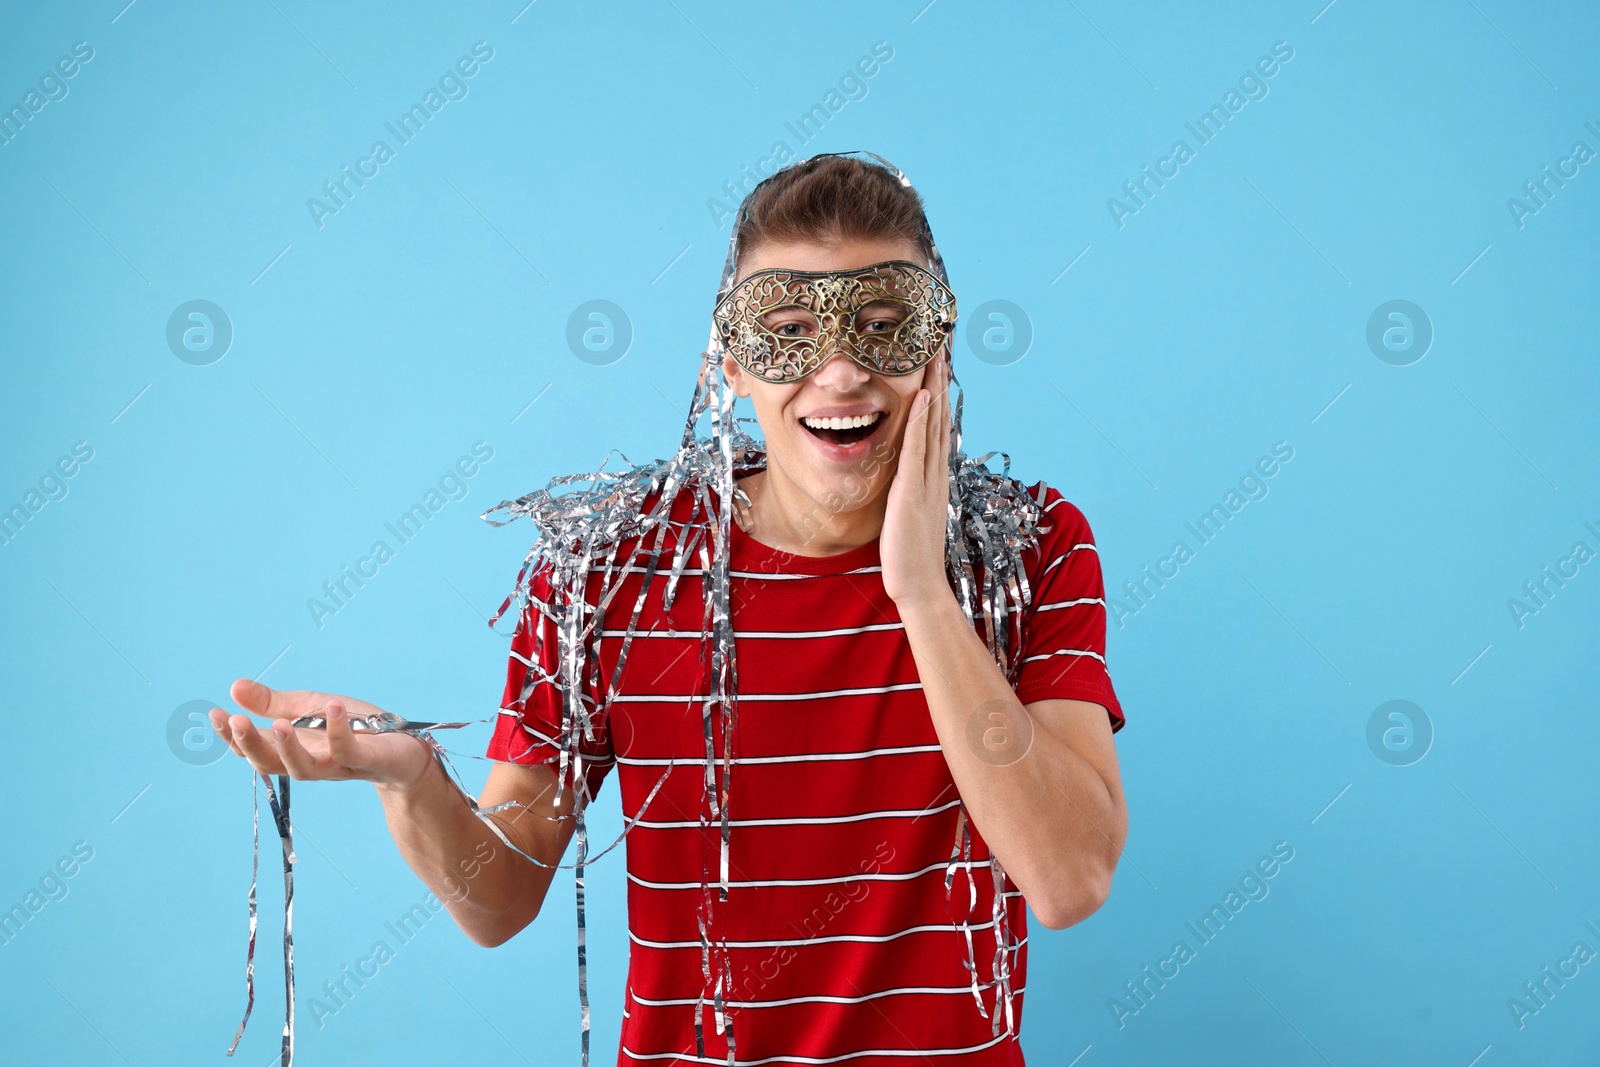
[[278, 799], [592, 530], [250, 952]]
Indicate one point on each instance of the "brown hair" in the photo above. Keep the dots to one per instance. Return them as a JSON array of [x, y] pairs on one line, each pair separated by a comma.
[[833, 198]]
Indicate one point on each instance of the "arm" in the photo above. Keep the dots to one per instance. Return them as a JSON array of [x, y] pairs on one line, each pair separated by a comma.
[[1041, 783], [490, 891]]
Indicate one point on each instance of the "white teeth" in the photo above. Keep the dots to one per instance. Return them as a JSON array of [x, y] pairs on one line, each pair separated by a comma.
[[842, 423]]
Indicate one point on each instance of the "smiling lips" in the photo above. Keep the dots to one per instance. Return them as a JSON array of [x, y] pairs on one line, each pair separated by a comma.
[[843, 430], [841, 422]]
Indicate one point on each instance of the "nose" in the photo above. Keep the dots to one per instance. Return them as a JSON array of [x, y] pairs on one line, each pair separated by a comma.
[[839, 370]]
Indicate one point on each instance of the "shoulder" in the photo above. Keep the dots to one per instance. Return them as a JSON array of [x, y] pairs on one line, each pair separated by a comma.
[[684, 512], [1062, 524], [1064, 561]]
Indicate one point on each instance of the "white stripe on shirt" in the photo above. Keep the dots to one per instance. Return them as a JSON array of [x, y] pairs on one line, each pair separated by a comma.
[[770, 883], [810, 757], [774, 883], [1065, 652], [818, 820], [721, 1062], [665, 571], [821, 998], [776, 634], [642, 698], [1071, 603], [874, 939]]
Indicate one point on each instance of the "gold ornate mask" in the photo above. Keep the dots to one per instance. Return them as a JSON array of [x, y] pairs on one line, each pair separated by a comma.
[[781, 325]]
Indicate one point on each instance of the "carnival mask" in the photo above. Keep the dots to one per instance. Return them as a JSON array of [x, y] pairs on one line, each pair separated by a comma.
[[781, 325]]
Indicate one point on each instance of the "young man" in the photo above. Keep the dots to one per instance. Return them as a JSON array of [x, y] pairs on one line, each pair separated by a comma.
[[829, 844]]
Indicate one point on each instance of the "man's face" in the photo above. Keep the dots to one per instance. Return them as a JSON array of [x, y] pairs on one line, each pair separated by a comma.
[[841, 469]]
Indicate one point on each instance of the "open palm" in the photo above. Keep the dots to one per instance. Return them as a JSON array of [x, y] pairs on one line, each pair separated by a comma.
[[334, 754]]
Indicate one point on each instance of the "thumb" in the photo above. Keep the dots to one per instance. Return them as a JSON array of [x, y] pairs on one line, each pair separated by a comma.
[[250, 695], [272, 703]]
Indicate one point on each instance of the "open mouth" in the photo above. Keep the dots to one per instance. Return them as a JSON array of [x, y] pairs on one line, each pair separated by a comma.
[[845, 429]]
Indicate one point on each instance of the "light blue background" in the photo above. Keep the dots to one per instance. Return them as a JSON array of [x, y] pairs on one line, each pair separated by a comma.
[[1227, 315]]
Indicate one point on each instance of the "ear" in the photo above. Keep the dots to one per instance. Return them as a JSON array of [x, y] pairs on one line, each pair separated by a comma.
[[738, 380]]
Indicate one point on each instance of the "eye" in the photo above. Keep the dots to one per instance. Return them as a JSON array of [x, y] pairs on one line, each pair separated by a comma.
[[880, 317], [790, 322]]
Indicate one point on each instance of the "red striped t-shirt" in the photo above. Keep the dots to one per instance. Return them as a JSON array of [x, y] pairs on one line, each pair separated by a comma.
[[839, 932]]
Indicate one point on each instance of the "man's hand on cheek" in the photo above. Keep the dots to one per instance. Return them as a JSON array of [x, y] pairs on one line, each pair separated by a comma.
[[912, 545]]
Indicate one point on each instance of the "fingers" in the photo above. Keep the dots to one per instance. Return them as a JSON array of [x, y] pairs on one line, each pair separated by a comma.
[[219, 723], [914, 445], [945, 419], [262, 753], [300, 762], [939, 428], [342, 747], [935, 428], [279, 750]]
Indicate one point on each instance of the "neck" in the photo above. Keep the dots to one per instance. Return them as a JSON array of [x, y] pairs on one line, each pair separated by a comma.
[[782, 516]]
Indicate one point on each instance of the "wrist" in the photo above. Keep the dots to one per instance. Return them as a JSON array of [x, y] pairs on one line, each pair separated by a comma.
[[933, 606], [407, 790]]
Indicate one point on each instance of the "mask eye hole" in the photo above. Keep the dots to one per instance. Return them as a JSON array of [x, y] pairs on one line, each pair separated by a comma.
[[789, 322], [881, 317]]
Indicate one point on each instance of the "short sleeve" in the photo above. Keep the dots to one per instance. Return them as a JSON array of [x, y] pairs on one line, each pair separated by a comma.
[[1063, 653], [528, 728]]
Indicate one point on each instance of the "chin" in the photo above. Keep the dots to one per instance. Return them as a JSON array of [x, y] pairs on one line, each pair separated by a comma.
[[842, 490]]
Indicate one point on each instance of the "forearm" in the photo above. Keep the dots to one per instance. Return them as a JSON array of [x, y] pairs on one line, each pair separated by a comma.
[[1046, 813], [490, 890]]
